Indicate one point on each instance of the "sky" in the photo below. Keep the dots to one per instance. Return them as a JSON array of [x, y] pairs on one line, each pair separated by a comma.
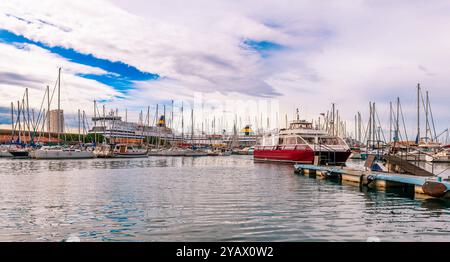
[[238, 56]]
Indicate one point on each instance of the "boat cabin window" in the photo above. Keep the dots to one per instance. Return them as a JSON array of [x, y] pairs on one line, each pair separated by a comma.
[[300, 141], [333, 141], [310, 140], [301, 125], [290, 140]]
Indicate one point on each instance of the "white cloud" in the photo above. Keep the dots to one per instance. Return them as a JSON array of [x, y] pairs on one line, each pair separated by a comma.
[[35, 68], [345, 52]]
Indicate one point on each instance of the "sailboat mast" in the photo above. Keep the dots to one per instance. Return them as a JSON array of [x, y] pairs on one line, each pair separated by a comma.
[[418, 113], [369, 137], [192, 126], [48, 112], [397, 128], [171, 126], [24, 119], [390, 121], [148, 123], [18, 118], [427, 112], [95, 121], [12, 121], [28, 116], [333, 119], [59, 103], [359, 126], [286, 121], [182, 124], [337, 123], [374, 123], [79, 126]]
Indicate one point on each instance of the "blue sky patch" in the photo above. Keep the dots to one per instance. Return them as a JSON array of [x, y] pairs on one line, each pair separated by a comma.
[[264, 48], [120, 83], [120, 75]]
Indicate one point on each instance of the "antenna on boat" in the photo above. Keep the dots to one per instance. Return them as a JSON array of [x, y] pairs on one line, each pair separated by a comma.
[[298, 114]]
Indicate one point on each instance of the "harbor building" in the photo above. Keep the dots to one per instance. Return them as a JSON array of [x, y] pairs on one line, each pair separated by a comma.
[[56, 121]]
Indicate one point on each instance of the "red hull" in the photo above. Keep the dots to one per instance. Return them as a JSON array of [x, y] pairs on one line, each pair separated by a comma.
[[299, 154]]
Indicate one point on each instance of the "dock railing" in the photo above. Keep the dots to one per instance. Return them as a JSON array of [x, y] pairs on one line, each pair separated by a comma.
[[406, 161]]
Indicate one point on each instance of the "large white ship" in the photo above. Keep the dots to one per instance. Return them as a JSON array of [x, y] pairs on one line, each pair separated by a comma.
[[116, 130]]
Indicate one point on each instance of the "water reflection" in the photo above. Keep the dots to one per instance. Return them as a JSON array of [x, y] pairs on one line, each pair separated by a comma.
[[201, 199]]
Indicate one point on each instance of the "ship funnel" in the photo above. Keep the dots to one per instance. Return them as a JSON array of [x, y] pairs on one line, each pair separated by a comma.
[[247, 130], [162, 121]]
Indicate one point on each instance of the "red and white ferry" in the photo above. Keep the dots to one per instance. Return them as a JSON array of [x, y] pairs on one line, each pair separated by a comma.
[[300, 143]]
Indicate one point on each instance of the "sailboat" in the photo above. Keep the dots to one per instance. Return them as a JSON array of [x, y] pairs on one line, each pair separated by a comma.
[[60, 152], [443, 156], [19, 152], [4, 151], [128, 151]]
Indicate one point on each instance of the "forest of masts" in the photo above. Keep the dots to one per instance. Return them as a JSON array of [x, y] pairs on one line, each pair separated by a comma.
[[26, 122], [373, 133]]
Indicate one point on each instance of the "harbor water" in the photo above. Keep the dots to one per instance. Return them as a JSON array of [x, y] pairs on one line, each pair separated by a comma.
[[228, 198]]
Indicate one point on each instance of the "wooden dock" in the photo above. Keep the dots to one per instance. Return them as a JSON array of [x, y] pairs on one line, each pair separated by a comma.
[[422, 184]]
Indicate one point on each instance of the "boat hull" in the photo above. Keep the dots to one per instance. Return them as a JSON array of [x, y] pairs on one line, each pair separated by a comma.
[[125, 155], [48, 154], [20, 154], [5, 154], [284, 154], [438, 159], [299, 154], [334, 157], [167, 153]]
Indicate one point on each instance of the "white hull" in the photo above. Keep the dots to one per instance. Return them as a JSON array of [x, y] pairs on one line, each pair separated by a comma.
[[180, 152], [5, 154], [130, 155], [167, 153], [226, 153], [438, 159], [413, 157], [194, 153], [57, 154], [356, 156]]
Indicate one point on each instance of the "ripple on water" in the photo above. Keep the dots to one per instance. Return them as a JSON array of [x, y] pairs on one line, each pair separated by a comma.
[[201, 199]]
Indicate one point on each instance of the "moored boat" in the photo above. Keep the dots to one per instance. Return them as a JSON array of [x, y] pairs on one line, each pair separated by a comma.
[[301, 143], [194, 153], [128, 151], [440, 157], [4, 151], [103, 151], [225, 152], [59, 152], [19, 151]]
